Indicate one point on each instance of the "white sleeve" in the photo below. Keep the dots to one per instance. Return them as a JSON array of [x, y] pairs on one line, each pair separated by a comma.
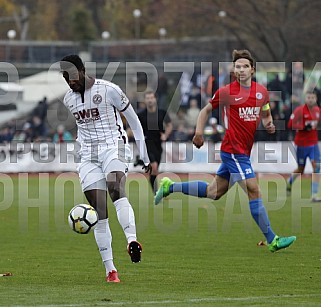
[[138, 132], [118, 98]]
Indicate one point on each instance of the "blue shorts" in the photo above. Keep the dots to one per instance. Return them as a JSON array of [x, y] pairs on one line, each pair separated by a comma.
[[235, 167], [311, 152]]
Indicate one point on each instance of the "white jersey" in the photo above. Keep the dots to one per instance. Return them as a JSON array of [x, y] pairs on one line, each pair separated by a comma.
[[97, 116]]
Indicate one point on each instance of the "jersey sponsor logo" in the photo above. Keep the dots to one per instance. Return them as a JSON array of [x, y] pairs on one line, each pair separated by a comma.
[[238, 98], [259, 95], [86, 115], [249, 113], [97, 99]]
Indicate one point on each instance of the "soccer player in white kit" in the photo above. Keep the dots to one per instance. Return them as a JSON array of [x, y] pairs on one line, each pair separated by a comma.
[[104, 153]]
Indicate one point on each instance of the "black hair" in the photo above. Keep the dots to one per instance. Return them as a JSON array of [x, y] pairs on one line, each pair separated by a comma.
[[73, 59], [148, 92]]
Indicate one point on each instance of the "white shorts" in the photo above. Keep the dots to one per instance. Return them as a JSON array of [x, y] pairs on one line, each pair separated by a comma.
[[96, 165]]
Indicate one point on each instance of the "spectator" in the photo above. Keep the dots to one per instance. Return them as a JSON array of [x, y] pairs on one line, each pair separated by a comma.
[[276, 85], [217, 132], [181, 133], [185, 85], [24, 135], [195, 94], [210, 85], [5, 135], [294, 82], [62, 136], [192, 114], [41, 113]]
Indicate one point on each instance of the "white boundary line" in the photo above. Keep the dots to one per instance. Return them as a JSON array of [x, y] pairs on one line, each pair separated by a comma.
[[186, 301]]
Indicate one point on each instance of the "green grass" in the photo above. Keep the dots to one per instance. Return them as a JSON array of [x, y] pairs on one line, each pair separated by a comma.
[[196, 252]]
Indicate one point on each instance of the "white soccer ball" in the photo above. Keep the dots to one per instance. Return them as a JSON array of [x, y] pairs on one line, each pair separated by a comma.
[[82, 218]]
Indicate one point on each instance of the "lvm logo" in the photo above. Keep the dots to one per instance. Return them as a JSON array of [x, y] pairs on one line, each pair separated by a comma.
[[249, 113]]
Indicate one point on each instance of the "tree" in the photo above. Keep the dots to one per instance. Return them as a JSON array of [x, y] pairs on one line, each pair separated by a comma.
[[82, 25]]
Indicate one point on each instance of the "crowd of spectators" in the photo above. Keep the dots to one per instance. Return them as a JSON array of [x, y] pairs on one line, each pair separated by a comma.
[[194, 92], [34, 128]]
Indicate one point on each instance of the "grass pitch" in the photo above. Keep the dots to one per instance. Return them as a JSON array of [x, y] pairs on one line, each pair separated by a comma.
[[196, 251]]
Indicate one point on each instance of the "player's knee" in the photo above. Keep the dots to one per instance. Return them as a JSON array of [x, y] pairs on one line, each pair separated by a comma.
[[254, 193], [213, 193], [113, 190]]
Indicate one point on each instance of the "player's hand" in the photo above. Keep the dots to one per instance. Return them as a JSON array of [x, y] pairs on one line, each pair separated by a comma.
[[198, 140], [163, 137], [308, 127], [270, 128], [147, 168]]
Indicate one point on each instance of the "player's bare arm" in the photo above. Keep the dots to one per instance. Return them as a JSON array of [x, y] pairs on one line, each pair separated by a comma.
[[198, 139], [267, 121]]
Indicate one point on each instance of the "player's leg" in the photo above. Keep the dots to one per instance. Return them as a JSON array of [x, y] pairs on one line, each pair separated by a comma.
[[95, 189], [315, 161], [202, 189], [257, 209], [153, 175], [155, 154], [301, 156], [116, 183], [241, 171]]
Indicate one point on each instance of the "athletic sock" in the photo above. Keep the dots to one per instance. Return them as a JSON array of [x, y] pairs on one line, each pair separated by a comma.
[[292, 178], [261, 218], [103, 239], [126, 218], [315, 188], [152, 180], [193, 188]]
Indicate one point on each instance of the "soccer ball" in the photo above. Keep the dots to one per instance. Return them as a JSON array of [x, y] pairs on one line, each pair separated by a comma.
[[82, 218]]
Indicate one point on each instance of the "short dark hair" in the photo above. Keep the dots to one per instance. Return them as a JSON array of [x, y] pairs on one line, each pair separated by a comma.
[[311, 92], [148, 92], [74, 59], [242, 54]]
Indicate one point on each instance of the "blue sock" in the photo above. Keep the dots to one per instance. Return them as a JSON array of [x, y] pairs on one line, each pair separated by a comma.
[[315, 187], [261, 218], [290, 180], [193, 188]]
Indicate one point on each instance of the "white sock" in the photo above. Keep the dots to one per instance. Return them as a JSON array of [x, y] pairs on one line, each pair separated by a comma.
[[103, 239], [126, 218]]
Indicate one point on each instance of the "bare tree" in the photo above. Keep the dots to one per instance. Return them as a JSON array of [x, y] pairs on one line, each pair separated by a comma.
[[21, 17]]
